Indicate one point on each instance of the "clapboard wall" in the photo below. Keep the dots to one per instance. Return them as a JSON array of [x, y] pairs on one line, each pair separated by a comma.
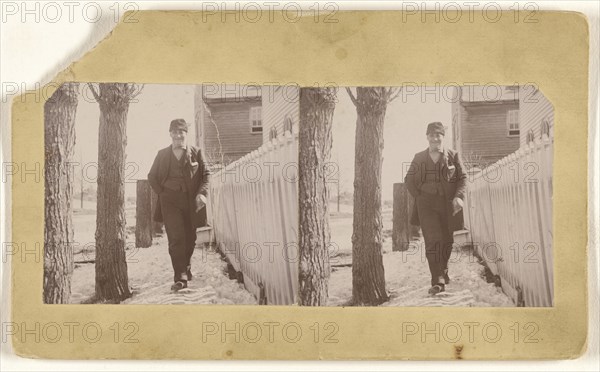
[[223, 126], [535, 111], [483, 130], [279, 103]]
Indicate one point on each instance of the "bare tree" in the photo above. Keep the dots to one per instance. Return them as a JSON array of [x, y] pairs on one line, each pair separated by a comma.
[[368, 277], [111, 266], [316, 114], [59, 136]]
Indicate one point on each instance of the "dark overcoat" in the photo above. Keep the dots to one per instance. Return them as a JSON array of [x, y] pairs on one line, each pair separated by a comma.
[[452, 177], [196, 175]]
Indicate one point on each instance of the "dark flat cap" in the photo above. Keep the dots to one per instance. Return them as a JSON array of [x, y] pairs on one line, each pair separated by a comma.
[[436, 127], [178, 124]]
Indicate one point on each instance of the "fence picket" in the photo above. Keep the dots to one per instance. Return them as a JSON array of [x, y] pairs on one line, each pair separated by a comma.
[[260, 213], [516, 212]]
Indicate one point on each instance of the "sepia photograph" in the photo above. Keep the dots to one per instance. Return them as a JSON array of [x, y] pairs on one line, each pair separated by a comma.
[[443, 197], [281, 195], [311, 187], [131, 189]]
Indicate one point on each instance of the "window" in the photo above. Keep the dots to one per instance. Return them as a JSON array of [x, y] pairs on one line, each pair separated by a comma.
[[272, 133], [545, 128], [512, 123], [288, 124], [530, 136], [256, 119]]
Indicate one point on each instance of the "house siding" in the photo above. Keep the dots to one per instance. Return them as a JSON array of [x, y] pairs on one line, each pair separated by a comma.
[[535, 108], [199, 116], [456, 126], [233, 121], [277, 103], [484, 132]]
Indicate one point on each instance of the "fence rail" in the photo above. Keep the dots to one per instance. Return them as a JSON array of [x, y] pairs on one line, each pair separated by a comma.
[[510, 220], [253, 208]]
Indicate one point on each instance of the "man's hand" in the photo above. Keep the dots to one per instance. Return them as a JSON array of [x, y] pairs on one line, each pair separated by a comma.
[[457, 205], [200, 202]]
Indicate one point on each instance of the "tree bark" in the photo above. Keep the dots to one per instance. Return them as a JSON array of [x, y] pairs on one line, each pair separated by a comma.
[[59, 136], [111, 266], [402, 229], [143, 215], [368, 277], [316, 114]]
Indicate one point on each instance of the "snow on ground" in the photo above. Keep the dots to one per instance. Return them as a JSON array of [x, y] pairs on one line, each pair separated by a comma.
[[407, 273], [151, 274]]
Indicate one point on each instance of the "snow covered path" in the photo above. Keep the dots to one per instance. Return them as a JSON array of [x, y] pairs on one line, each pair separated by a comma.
[[407, 273], [407, 281], [210, 284], [151, 276]]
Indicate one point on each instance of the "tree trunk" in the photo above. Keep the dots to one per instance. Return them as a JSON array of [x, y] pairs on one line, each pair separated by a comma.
[[368, 278], [143, 215], [59, 135], [402, 229], [111, 266], [316, 114]]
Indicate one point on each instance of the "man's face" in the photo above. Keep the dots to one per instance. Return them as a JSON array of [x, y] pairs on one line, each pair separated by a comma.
[[435, 139], [178, 136]]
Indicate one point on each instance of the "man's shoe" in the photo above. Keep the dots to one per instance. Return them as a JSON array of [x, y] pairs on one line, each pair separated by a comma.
[[436, 289], [179, 285]]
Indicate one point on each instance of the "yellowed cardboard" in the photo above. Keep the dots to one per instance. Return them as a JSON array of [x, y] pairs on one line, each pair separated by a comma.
[[362, 48]]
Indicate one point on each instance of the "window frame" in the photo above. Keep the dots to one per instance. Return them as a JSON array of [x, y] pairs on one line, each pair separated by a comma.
[[510, 129], [252, 119]]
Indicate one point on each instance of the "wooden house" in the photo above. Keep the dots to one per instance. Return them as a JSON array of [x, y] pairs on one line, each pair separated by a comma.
[[485, 123], [228, 121]]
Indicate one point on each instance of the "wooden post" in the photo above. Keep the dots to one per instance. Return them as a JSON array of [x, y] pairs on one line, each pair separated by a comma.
[[402, 230], [157, 227], [143, 214]]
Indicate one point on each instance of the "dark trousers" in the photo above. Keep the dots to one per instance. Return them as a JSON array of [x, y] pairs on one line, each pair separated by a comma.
[[181, 235], [433, 215]]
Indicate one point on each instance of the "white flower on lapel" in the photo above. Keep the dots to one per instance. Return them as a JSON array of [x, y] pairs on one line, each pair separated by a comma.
[[451, 171]]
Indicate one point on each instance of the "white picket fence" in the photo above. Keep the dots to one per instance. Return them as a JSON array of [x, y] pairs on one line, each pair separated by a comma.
[[253, 208], [510, 220]]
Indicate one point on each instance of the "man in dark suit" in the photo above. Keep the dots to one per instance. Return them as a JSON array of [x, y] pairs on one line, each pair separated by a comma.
[[437, 180], [180, 178]]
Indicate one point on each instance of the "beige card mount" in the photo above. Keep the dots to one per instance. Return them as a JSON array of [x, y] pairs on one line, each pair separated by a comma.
[[348, 49]]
